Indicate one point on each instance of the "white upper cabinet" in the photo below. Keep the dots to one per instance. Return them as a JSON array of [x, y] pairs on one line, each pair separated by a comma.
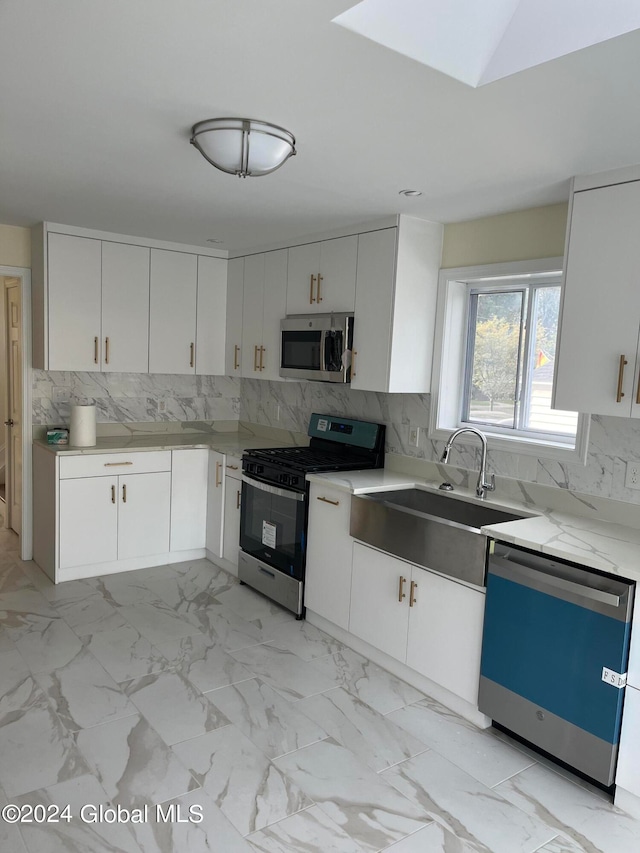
[[125, 308], [235, 288], [264, 306], [211, 314], [74, 296], [172, 323], [597, 361], [322, 276], [396, 291]]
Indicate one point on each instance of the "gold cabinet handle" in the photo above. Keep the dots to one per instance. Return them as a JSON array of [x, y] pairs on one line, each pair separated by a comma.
[[353, 363], [319, 299], [218, 474], [401, 593], [96, 353], [255, 358], [412, 593], [116, 464], [311, 283], [327, 501], [106, 350], [238, 499], [113, 494], [124, 493], [236, 350], [623, 362], [232, 467], [262, 352], [192, 354]]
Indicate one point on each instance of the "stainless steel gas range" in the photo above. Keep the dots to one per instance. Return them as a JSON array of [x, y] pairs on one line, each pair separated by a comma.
[[275, 497]]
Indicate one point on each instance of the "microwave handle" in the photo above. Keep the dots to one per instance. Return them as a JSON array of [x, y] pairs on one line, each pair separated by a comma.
[[323, 350]]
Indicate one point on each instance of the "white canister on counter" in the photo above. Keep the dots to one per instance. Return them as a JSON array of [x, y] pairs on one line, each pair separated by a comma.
[[82, 430]]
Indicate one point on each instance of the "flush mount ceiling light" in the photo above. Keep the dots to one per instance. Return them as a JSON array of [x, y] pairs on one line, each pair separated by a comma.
[[243, 146], [410, 193]]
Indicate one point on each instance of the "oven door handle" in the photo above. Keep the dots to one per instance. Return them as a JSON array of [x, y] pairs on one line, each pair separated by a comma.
[[273, 490]]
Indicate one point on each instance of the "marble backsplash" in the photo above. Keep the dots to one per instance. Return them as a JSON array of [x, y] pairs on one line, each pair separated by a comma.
[[135, 397], [288, 405]]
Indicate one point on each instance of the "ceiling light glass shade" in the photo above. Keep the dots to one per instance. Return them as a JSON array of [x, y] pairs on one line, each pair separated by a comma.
[[243, 146]]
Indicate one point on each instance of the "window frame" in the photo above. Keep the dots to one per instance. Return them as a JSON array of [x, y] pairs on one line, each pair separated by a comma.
[[450, 358]]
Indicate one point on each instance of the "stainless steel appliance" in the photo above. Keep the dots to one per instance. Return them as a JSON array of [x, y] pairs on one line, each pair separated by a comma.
[[554, 657], [317, 346], [274, 508]]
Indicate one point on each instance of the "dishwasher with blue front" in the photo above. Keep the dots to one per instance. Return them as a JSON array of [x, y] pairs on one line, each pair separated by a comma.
[[554, 657]]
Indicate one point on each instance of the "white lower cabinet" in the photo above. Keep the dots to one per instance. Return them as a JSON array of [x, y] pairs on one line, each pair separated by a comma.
[[329, 554], [628, 772], [231, 524], [215, 503], [144, 511], [189, 474]]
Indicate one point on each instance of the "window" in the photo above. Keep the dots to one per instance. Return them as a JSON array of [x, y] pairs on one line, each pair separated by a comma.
[[498, 329]]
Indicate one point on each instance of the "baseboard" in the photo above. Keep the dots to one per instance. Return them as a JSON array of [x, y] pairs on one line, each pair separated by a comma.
[[627, 801], [231, 568], [94, 569]]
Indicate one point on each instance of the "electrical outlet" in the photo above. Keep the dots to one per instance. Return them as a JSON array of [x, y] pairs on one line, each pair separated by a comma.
[[162, 406], [414, 436], [61, 394], [632, 479]]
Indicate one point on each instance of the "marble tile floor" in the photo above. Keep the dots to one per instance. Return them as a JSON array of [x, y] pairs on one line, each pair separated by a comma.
[[176, 686]]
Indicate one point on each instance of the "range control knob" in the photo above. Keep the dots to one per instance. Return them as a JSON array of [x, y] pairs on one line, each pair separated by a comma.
[[284, 479]]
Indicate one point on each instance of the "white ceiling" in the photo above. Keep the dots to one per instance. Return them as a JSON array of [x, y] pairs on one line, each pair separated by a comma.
[[97, 100]]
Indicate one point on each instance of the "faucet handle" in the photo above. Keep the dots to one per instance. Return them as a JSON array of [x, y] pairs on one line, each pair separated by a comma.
[[491, 485]]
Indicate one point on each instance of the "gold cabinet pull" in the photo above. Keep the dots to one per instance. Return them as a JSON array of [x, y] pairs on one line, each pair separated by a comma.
[[319, 299], [327, 501], [623, 362], [311, 283], [232, 467], [96, 353], [255, 358], [124, 493], [218, 474], [106, 350], [113, 494], [401, 593], [262, 352], [192, 354], [236, 350], [412, 593], [353, 363], [238, 499], [116, 464]]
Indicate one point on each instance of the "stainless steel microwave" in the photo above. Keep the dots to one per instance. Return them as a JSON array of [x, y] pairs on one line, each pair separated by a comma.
[[317, 346]]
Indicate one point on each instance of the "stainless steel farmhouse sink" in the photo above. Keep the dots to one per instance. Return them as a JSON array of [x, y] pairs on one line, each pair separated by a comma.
[[432, 530]]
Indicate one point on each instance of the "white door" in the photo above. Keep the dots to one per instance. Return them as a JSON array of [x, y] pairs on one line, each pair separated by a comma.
[[601, 303], [327, 589], [189, 475], [172, 325], [231, 533], [445, 633], [380, 600], [144, 512], [125, 308], [13, 431], [235, 287], [88, 521], [275, 306], [215, 503], [374, 310], [74, 296], [302, 279], [252, 306], [337, 283], [211, 316]]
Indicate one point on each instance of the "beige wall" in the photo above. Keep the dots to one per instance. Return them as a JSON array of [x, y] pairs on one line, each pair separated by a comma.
[[15, 246], [520, 236]]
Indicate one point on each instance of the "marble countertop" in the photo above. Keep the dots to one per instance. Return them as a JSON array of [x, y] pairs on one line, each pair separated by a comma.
[[602, 545]]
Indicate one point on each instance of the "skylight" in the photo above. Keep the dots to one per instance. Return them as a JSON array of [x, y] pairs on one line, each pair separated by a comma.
[[479, 41]]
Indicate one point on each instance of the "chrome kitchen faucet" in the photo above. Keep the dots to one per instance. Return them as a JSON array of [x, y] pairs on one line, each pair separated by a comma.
[[482, 487]]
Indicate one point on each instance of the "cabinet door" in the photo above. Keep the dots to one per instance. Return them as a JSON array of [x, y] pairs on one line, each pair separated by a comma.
[[628, 772], [337, 285], [215, 503], [374, 310], [125, 308], [445, 633], [303, 264], [231, 527], [252, 306], [327, 588], [379, 615], [172, 325], [189, 477], [211, 316], [88, 521], [144, 512], [274, 309], [601, 302], [235, 287], [74, 287]]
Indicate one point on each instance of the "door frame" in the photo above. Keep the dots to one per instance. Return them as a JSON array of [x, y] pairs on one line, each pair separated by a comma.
[[26, 540]]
